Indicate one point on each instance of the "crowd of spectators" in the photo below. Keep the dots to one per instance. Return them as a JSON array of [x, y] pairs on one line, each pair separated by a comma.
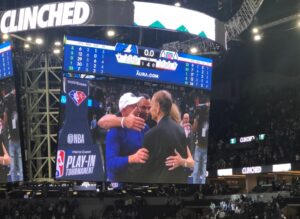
[[246, 207], [220, 188], [137, 208], [39, 208], [173, 205], [271, 112]]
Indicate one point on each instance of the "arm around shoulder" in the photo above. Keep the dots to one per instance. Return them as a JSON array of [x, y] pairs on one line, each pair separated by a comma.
[[109, 121]]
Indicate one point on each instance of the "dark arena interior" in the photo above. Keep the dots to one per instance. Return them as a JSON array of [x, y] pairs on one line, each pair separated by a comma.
[[155, 109]]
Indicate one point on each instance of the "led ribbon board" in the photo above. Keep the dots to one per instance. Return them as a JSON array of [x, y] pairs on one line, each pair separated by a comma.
[[114, 12], [132, 61], [72, 13], [174, 18], [6, 68]]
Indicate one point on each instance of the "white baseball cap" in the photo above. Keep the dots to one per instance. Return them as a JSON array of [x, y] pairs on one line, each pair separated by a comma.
[[128, 99]]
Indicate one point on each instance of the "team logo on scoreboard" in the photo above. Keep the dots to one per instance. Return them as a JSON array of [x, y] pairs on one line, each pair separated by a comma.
[[126, 48], [77, 96], [60, 163], [168, 55]]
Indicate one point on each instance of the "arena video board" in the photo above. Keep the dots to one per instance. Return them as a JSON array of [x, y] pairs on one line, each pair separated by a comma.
[[11, 164], [97, 144]]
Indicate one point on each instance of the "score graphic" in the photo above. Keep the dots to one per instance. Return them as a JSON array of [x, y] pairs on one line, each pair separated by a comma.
[[6, 69], [148, 64], [131, 61]]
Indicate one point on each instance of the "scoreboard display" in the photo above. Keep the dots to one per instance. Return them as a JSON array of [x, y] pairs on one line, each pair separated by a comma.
[[6, 68], [131, 61]]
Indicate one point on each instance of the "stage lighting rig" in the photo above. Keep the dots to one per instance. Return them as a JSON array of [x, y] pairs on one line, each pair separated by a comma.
[[5, 37], [26, 46], [57, 43], [110, 33], [177, 4], [56, 51], [39, 41], [193, 50], [257, 37]]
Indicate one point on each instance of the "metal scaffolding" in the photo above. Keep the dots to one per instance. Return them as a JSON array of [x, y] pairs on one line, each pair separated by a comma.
[[40, 85], [204, 46], [242, 19]]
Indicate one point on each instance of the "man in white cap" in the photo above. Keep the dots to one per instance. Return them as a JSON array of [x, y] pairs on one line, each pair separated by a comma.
[[131, 120], [124, 145]]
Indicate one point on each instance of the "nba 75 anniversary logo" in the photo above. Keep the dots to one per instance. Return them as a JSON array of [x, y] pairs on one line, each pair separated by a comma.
[[77, 96]]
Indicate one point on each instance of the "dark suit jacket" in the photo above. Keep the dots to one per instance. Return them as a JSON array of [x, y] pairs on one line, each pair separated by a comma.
[[161, 141], [3, 169]]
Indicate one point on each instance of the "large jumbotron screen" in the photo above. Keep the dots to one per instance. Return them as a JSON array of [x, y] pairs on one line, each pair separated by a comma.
[[143, 115], [11, 165]]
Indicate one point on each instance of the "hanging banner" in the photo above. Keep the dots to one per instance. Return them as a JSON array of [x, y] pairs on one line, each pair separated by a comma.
[[77, 157]]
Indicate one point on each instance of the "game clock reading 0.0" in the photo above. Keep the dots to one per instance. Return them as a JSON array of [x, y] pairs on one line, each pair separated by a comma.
[[132, 61]]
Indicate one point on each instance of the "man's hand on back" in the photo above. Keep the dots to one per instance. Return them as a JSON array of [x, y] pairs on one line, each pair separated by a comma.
[[132, 121]]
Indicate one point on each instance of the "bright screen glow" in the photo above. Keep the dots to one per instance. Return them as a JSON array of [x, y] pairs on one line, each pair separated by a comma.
[[174, 18], [282, 167], [91, 148], [224, 172]]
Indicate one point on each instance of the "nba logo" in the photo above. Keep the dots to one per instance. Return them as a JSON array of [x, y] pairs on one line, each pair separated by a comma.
[[77, 96], [60, 163]]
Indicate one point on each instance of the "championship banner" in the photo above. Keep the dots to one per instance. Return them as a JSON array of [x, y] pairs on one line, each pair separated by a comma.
[[58, 14], [77, 157]]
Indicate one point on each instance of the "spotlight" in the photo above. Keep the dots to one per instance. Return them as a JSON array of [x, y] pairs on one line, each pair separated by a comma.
[[56, 51], [193, 50], [257, 37], [5, 36], [111, 33], [39, 41], [29, 39], [57, 43], [26, 46], [177, 4], [255, 30]]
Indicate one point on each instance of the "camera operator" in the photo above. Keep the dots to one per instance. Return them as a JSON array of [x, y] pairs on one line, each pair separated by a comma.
[[200, 130], [11, 120]]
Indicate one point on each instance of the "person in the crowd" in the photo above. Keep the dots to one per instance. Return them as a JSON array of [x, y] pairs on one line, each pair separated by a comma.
[[124, 145], [161, 141], [185, 123], [200, 129]]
